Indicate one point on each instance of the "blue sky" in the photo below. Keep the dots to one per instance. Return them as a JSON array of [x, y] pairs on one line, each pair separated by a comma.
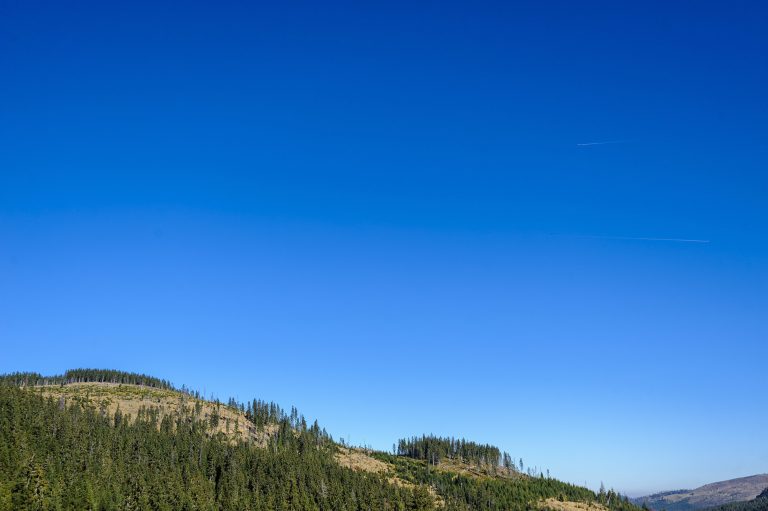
[[386, 215]]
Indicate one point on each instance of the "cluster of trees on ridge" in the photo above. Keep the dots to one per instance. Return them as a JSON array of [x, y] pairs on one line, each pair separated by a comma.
[[25, 379], [432, 449], [262, 412], [71, 455]]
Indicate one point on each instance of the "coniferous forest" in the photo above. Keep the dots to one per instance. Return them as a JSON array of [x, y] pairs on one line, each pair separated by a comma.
[[57, 455], [75, 458]]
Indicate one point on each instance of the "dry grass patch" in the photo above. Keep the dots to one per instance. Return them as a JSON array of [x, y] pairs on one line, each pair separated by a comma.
[[108, 397], [359, 460], [466, 469], [552, 504]]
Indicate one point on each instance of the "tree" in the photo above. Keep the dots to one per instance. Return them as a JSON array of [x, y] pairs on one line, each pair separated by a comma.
[[508, 461]]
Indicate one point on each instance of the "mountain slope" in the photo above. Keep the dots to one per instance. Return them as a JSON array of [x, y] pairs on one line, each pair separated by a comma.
[[759, 503], [709, 495], [107, 440]]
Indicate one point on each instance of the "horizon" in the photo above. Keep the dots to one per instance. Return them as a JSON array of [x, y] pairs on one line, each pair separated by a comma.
[[535, 225]]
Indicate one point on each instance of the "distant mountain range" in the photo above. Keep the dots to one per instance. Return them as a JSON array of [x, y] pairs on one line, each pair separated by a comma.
[[710, 495]]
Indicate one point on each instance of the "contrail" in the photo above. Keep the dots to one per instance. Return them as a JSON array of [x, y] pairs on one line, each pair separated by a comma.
[[601, 143], [634, 238]]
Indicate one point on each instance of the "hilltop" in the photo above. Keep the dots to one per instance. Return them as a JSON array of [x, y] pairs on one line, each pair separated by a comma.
[[97, 439], [759, 503], [710, 495]]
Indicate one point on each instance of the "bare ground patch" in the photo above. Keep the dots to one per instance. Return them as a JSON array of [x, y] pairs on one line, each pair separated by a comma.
[[130, 399], [552, 504]]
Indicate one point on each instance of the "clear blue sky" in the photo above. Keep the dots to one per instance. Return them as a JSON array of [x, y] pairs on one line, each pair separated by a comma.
[[382, 214]]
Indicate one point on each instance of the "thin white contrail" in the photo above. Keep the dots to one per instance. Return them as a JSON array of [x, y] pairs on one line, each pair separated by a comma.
[[637, 238], [583, 144]]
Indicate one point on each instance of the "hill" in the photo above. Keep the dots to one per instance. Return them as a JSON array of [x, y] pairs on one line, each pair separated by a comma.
[[759, 503], [707, 496], [107, 440]]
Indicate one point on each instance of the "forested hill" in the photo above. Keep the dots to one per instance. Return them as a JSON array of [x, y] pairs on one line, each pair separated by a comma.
[[109, 440]]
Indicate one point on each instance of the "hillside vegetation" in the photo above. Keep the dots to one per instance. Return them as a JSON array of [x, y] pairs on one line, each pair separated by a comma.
[[105, 440]]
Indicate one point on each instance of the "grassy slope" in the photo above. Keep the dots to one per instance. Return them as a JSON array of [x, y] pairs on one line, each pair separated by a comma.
[[129, 399]]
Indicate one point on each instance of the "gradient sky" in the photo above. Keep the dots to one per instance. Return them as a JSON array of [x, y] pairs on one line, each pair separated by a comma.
[[386, 214]]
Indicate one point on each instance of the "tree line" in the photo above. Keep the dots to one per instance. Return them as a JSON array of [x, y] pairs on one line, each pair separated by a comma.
[[26, 379], [432, 449]]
